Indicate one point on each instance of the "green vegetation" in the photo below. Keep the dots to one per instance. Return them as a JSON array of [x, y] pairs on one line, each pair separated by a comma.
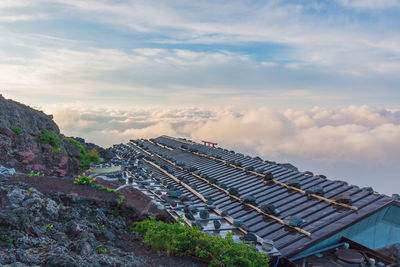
[[116, 213], [49, 226], [102, 188], [83, 179], [16, 129], [109, 190], [99, 250], [32, 173], [7, 240], [90, 157], [121, 200], [76, 143], [57, 149], [85, 158], [49, 138], [101, 227], [181, 240], [95, 185]]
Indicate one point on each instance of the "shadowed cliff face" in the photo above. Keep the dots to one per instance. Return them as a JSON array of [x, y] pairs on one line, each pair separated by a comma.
[[14, 114], [21, 146]]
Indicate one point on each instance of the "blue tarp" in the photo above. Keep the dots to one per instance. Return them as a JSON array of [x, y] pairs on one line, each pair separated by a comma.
[[379, 230]]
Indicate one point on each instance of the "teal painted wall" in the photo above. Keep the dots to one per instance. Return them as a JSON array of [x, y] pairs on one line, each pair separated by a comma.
[[378, 230]]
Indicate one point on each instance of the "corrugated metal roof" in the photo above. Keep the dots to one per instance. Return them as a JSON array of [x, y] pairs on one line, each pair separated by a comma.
[[323, 218]]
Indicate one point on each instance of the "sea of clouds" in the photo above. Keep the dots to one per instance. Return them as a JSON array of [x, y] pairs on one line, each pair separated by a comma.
[[357, 141]]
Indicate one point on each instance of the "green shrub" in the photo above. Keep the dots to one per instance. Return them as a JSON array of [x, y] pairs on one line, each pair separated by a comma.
[[49, 138], [83, 179], [90, 157], [16, 129], [85, 158], [76, 143], [57, 150], [116, 213], [182, 240], [10, 240], [32, 174], [100, 250], [102, 227], [49, 226], [102, 188]]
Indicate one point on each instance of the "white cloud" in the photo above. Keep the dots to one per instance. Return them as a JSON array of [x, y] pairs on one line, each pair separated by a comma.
[[370, 4], [338, 42], [23, 17], [350, 134], [5, 4], [319, 41]]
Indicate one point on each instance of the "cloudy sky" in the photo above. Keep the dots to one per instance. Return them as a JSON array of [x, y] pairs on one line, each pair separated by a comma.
[[315, 83]]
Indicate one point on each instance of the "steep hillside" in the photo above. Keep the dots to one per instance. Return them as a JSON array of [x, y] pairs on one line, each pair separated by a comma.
[[31, 141]]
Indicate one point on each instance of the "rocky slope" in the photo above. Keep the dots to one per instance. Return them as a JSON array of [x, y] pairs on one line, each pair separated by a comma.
[[52, 222], [21, 128]]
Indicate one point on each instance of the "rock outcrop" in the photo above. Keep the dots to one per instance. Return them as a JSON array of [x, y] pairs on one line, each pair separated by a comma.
[[62, 231], [21, 128], [52, 222]]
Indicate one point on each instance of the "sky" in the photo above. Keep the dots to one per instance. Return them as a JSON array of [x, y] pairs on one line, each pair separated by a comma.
[[314, 83]]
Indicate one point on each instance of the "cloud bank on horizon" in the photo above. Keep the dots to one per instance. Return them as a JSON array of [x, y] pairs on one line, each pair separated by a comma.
[[357, 141]]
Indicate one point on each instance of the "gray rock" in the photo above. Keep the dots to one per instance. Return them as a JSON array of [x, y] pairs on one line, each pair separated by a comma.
[[24, 257], [268, 177], [7, 258], [51, 208], [294, 183], [61, 238], [59, 257], [175, 193], [100, 217], [33, 203], [317, 190], [250, 237], [294, 221], [16, 196], [85, 249], [204, 214], [346, 199], [250, 200], [268, 245], [63, 260], [269, 209], [109, 235], [234, 191], [224, 213], [238, 223], [209, 202]]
